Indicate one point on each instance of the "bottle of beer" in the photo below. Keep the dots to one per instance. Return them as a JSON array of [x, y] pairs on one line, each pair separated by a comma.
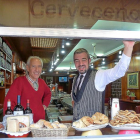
[[28, 109], [18, 110], [9, 110]]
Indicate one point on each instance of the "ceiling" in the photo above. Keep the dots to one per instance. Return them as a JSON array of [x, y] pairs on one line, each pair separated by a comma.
[[75, 14], [103, 47]]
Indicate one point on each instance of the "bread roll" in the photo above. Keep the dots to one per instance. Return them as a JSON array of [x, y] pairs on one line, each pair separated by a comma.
[[56, 122], [100, 118], [55, 125], [81, 124], [60, 125], [87, 120], [35, 125], [48, 124], [76, 124], [41, 122]]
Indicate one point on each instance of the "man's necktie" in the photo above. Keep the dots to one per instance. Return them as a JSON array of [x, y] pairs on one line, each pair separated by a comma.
[[81, 76], [35, 86]]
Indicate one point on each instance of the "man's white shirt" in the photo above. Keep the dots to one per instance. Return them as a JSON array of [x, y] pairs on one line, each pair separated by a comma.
[[104, 77]]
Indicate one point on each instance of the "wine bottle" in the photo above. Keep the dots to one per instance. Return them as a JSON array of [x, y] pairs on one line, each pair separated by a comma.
[[28, 109], [9, 110], [18, 110]]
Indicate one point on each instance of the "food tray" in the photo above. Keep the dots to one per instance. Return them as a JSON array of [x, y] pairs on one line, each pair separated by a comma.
[[91, 127], [126, 127], [44, 132]]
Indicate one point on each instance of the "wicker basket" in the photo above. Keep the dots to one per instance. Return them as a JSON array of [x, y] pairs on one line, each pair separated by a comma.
[[44, 132]]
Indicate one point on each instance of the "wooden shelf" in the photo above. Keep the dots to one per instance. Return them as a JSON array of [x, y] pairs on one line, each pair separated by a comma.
[[7, 71], [8, 83], [129, 101], [2, 68], [2, 87]]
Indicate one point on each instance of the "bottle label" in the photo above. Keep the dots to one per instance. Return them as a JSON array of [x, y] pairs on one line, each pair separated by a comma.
[[18, 112], [8, 104]]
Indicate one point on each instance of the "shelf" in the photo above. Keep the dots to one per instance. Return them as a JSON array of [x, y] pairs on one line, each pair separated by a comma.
[[8, 70], [2, 87], [9, 56], [8, 83], [2, 50], [2, 68], [5, 53]]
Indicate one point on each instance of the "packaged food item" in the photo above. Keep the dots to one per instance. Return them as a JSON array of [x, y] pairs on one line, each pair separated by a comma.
[[22, 118], [13, 125], [115, 107]]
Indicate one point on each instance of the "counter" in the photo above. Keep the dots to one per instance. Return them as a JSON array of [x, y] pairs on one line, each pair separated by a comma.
[[128, 105], [107, 135]]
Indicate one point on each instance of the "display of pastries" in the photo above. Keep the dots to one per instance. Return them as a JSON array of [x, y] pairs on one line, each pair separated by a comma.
[[125, 117], [48, 125], [99, 118], [87, 120], [96, 119]]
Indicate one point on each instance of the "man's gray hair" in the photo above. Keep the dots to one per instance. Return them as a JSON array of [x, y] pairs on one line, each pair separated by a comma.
[[34, 57], [81, 50]]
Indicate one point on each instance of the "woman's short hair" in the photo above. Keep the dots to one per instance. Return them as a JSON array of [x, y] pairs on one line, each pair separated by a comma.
[[81, 50], [34, 57]]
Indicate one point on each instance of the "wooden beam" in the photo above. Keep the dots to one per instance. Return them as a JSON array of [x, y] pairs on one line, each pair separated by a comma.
[[70, 33]]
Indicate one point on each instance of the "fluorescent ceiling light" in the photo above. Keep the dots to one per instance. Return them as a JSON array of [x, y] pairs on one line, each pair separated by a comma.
[[99, 54], [67, 43], [120, 56], [120, 52], [103, 62], [63, 68]]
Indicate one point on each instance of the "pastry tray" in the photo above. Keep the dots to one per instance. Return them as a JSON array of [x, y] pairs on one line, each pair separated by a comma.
[[91, 127], [126, 127]]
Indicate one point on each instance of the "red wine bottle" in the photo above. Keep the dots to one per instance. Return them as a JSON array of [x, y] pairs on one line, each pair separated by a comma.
[[28, 109], [18, 110], [9, 110]]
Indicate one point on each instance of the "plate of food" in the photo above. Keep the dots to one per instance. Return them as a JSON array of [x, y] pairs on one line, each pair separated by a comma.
[[16, 126], [15, 134], [97, 121], [126, 127], [126, 120]]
